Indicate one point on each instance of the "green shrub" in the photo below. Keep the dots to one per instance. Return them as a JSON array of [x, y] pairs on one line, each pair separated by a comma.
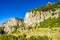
[[39, 38], [8, 37], [32, 38]]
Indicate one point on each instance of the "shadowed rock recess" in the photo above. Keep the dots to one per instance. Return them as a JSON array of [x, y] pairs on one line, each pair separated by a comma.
[[42, 23]]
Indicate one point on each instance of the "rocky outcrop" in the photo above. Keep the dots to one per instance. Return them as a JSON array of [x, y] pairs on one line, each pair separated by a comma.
[[35, 16], [8, 25], [14, 21], [42, 13], [39, 16]]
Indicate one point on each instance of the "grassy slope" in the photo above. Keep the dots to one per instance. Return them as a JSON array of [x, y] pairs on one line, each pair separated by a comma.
[[46, 27]]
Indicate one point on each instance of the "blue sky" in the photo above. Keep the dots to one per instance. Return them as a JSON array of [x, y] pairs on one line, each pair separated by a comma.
[[18, 8]]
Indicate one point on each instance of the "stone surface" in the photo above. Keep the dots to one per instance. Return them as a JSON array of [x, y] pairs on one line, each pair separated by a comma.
[[8, 25], [39, 16]]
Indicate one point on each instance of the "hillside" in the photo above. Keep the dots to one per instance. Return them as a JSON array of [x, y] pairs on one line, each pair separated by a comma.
[[42, 13], [42, 23], [49, 6]]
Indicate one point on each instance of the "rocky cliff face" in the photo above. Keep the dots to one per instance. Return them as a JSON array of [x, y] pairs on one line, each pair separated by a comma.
[[42, 13], [12, 22], [35, 16], [39, 16]]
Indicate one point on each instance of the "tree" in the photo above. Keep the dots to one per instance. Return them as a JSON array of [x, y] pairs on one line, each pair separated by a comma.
[[29, 27], [23, 37], [1, 30], [32, 38]]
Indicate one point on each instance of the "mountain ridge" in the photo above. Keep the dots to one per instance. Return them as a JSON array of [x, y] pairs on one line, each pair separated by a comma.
[[36, 15], [38, 24]]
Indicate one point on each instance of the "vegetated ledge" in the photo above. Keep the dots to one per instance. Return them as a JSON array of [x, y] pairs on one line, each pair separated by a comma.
[[47, 7]]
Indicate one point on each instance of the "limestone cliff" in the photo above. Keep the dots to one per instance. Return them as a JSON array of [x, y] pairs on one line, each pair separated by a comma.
[[43, 13], [39, 16], [8, 25], [35, 16]]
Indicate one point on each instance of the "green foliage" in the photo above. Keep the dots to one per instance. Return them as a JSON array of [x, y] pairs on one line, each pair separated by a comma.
[[15, 27], [39, 38], [49, 23], [29, 27], [32, 38], [22, 25], [7, 37], [23, 37], [53, 14], [1, 30], [46, 8], [58, 3], [42, 38]]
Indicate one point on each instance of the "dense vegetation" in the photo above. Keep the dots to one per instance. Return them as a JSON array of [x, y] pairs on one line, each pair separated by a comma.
[[23, 37], [1, 30], [49, 23], [7, 37], [39, 38]]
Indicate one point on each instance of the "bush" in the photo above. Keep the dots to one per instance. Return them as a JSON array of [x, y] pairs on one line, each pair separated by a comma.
[[22, 37], [2, 30], [39, 38], [8, 37], [32, 38]]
